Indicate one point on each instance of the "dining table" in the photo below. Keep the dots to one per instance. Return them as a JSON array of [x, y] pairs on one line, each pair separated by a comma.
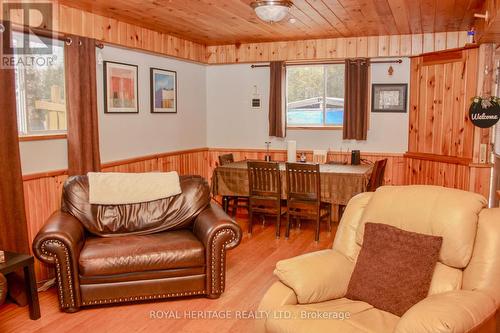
[[339, 182]]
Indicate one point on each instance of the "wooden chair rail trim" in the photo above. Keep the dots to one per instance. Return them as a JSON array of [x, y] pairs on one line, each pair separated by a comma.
[[152, 157], [481, 165], [46, 174], [260, 150], [62, 172], [439, 158], [42, 137]]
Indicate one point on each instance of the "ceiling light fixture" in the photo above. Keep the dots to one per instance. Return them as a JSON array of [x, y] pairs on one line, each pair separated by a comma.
[[271, 10]]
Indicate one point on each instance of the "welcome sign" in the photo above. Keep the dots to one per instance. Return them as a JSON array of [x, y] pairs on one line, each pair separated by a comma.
[[484, 113]]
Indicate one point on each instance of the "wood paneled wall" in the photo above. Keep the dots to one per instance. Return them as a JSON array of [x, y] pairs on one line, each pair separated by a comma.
[[336, 48], [489, 31], [43, 191], [443, 146], [442, 86], [394, 175], [79, 22]]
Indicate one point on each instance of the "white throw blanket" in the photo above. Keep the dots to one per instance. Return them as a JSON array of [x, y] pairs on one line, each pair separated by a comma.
[[113, 188]]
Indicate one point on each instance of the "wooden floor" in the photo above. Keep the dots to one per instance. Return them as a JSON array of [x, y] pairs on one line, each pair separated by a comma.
[[249, 275]]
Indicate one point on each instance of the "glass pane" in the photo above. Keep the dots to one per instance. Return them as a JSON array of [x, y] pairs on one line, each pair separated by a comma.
[[305, 90], [40, 91], [334, 95]]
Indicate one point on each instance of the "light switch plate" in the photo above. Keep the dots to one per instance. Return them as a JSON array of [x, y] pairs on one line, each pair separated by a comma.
[[482, 153]]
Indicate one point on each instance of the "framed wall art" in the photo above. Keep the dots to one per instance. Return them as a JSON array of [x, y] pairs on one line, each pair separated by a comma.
[[121, 92], [389, 97], [163, 91]]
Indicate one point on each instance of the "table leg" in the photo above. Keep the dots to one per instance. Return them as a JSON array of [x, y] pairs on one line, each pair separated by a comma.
[[31, 291]]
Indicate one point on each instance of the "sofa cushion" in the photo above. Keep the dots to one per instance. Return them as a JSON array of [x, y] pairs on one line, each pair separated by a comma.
[[394, 268], [432, 210], [339, 315], [161, 251], [144, 218]]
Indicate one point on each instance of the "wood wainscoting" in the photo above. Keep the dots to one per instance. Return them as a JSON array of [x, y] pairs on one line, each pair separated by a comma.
[[443, 147], [42, 191], [394, 173]]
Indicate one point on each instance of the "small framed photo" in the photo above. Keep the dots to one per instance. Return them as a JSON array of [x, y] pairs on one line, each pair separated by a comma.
[[120, 88], [389, 97], [163, 91]]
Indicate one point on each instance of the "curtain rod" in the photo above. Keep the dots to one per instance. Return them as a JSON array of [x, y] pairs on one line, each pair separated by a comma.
[[46, 33], [398, 61]]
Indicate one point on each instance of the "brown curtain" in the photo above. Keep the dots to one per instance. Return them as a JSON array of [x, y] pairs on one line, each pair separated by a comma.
[[356, 99], [81, 92], [276, 99], [13, 226]]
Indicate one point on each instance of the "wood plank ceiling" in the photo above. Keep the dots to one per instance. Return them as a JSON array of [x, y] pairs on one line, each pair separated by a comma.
[[217, 22]]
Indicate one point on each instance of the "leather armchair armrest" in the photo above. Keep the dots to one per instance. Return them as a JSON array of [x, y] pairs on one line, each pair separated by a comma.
[[3, 288], [59, 242], [218, 233], [458, 311], [317, 276], [276, 296]]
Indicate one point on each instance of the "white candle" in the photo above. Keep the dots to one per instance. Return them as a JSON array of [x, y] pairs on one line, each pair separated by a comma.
[[292, 151]]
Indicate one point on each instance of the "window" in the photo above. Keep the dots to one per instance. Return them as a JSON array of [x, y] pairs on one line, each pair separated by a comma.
[[40, 90], [315, 95]]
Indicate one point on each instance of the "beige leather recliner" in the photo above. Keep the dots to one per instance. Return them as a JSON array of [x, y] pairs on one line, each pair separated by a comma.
[[465, 290]]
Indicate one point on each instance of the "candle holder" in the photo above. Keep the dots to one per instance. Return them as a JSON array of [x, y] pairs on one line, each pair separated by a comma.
[[267, 158]]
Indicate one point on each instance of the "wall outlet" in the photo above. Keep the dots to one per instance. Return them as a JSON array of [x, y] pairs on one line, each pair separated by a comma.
[[482, 153]]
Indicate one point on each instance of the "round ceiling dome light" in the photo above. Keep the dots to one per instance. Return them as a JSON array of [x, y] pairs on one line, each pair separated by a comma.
[[271, 10]]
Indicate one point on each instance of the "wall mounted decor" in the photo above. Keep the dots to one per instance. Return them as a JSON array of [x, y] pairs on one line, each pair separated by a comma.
[[120, 88], [163, 91], [484, 112], [389, 97]]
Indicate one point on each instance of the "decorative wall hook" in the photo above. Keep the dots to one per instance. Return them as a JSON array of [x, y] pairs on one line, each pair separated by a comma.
[[484, 16]]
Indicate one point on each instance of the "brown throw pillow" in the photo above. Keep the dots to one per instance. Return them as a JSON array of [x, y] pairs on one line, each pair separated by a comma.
[[394, 268]]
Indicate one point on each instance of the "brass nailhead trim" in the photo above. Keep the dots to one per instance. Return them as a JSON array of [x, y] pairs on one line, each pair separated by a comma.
[[128, 299], [222, 256], [142, 298], [58, 270]]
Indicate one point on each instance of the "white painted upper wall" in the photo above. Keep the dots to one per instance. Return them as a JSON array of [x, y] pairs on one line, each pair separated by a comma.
[[232, 123], [125, 136], [132, 135], [213, 110]]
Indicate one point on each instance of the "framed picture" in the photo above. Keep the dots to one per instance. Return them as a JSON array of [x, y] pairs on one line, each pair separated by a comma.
[[389, 97], [120, 88], [163, 91]]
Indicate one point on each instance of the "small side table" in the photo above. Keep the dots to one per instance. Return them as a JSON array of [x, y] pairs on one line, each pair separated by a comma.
[[15, 261]]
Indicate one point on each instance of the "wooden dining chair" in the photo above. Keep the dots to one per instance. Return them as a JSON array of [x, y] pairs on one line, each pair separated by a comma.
[[234, 201], [304, 195], [264, 185], [226, 159], [377, 176], [375, 181]]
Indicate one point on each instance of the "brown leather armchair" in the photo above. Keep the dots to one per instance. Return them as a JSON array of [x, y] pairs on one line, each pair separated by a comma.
[[123, 253], [3, 289]]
